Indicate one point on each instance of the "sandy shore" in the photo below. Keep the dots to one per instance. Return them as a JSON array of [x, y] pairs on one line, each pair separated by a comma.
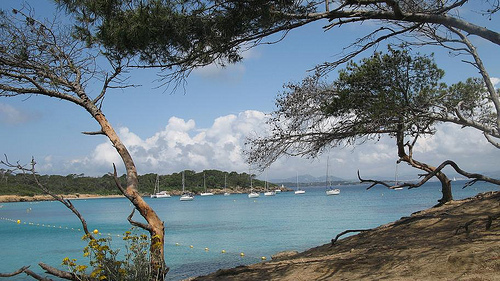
[[430, 245], [17, 198]]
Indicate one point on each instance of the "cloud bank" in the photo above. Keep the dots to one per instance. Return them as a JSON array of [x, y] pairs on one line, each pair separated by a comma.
[[181, 145]]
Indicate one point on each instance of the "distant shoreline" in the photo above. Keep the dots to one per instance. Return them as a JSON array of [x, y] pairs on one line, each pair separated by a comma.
[[19, 198]]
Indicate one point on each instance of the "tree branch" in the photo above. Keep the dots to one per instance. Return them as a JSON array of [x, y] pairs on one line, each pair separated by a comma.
[[345, 232], [138, 224], [21, 270], [42, 187], [474, 176], [60, 273], [36, 276]]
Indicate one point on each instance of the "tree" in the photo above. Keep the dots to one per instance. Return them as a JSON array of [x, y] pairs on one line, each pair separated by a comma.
[[188, 34], [40, 59], [359, 106]]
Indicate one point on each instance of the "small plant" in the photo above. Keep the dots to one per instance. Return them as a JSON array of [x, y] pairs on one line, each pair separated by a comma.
[[106, 264]]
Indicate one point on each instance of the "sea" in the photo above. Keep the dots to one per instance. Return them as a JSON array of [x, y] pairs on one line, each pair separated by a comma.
[[212, 232]]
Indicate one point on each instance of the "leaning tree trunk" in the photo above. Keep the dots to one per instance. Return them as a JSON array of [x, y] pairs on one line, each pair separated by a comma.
[[408, 158], [155, 225]]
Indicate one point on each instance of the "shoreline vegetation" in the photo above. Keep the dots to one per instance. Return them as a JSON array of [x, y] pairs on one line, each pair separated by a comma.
[[457, 241], [76, 196], [86, 186]]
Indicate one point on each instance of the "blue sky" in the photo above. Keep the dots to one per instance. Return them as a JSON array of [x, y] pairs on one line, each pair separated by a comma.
[[204, 127]]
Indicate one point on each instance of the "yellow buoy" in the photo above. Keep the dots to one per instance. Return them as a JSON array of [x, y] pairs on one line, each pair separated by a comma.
[[242, 254], [206, 249], [223, 251], [18, 221], [95, 231], [177, 244], [191, 246], [263, 258]]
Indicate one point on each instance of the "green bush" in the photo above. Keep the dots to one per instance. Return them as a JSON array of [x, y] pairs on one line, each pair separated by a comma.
[[105, 263]]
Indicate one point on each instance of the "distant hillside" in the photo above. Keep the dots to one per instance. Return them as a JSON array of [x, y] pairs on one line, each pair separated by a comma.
[[12, 184]]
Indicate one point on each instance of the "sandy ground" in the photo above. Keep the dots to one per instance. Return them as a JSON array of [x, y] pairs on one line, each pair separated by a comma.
[[17, 198], [428, 245]]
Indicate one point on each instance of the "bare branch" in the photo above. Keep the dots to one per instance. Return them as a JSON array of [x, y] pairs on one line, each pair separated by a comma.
[[60, 273], [94, 133], [21, 270], [138, 224], [374, 182], [36, 276], [346, 232], [42, 187]]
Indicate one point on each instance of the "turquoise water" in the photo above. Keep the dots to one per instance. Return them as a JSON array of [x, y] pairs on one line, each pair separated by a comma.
[[259, 227]]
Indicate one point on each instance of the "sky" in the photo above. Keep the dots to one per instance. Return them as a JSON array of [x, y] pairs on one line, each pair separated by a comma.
[[205, 124]]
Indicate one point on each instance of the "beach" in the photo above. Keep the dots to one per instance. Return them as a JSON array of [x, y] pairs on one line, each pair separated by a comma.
[[18, 198]]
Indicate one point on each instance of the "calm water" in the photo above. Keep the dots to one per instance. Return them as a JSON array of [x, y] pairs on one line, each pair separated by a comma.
[[258, 227]]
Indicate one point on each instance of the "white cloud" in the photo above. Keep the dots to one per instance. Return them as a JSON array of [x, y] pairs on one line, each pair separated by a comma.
[[495, 80], [12, 116], [181, 145]]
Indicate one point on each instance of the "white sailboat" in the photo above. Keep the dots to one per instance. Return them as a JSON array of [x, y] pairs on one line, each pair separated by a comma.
[[279, 190], [252, 194], [157, 193], [205, 186], [225, 185], [268, 192], [299, 191], [186, 196], [330, 190], [396, 178]]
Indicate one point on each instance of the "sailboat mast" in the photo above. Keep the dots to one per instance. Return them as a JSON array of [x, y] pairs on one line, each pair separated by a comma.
[[183, 182], [157, 183], [297, 180], [327, 168]]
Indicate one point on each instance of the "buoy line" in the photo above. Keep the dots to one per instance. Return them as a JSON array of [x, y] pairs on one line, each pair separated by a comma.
[[241, 254], [95, 231], [57, 227]]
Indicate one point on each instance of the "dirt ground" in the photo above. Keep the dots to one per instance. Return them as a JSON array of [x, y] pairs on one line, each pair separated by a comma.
[[428, 245]]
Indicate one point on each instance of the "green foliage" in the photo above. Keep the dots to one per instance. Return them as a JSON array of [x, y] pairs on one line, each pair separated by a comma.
[[106, 264], [185, 32], [388, 90], [24, 185], [396, 93]]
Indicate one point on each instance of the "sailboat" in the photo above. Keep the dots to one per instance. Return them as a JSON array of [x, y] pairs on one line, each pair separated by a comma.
[[157, 193], [278, 190], [299, 191], [205, 186], [396, 178], [330, 190], [252, 194], [225, 184], [186, 196], [268, 192]]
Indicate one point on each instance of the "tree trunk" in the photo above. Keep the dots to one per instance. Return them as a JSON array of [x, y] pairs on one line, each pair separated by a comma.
[[445, 188], [155, 224], [408, 158]]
